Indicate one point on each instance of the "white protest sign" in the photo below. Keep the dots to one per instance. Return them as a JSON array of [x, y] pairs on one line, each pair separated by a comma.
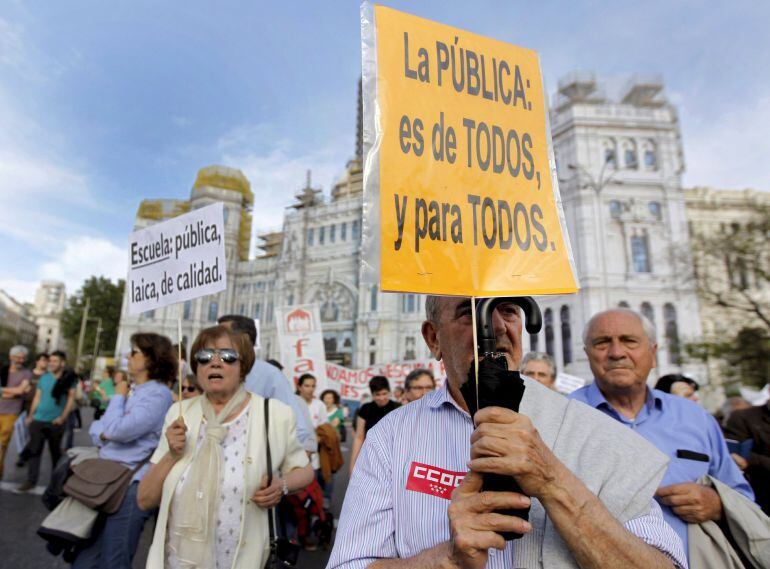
[[301, 342], [566, 383], [177, 260]]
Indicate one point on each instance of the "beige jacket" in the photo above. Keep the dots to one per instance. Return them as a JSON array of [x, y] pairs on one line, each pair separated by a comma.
[[286, 454], [749, 526]]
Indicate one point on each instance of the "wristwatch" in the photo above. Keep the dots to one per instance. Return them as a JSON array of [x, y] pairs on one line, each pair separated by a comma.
[[284, 487]]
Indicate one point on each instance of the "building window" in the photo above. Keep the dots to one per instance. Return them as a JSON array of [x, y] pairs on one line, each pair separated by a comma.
[[373, 298], [566, 336], [549, 331], [640, 253], [655, 210], [290, 299], [226, 214], [648, 312], [310, 237], [372, 358], [408, 304], [629, 155], [672, 334], [186, 309], [257, 309], [409, 348], [321, 235], [610, 153], [213, 310], [343, 231], [615, 209], [332, 233], [355, 230], [242, 309], [650, 158], [269, 312]]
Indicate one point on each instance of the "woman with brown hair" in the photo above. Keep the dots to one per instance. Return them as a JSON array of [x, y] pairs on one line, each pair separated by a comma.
[[209, 473], [128, 433]]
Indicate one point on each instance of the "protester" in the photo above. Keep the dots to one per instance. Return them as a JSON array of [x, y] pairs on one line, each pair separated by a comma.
[[306, 389], [369, 414], [541, 367], [418, 383], [128, 433], [732, 404], [190, 387], [402, 507], [75, 419], [54, 401], [621, 347], [267, 381], [210, 469], [40, 369], [334, 414], [679, 385], [101, 392], [754, 424], [15, 383]]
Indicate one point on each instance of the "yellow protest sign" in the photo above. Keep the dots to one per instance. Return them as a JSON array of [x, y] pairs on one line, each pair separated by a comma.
[[460, 196]]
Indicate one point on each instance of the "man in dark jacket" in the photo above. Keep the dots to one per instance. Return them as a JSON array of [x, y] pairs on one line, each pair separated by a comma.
[[754, 423]]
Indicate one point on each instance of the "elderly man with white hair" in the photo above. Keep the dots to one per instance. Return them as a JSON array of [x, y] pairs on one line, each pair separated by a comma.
[[14, 384], [621, 347], [541, 367]]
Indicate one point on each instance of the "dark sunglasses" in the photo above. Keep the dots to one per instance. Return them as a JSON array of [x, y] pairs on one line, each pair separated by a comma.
[[228, 356], [190, 388]]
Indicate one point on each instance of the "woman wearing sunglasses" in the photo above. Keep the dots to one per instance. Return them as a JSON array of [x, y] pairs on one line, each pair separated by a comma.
[[209, 473]]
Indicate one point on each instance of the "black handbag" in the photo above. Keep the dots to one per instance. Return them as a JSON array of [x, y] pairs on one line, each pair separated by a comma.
[[283, 553]]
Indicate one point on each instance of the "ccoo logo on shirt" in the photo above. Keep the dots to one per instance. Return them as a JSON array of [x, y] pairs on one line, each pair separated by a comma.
[[433, 480]]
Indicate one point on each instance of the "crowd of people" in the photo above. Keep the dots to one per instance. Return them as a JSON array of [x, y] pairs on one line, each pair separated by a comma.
[[616, 474]]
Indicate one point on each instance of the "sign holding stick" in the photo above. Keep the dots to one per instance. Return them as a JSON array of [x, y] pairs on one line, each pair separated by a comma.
[[460, 190], [177, 260]]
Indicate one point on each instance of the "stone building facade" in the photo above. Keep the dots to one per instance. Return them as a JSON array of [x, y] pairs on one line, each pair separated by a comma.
[[619, 162], [50, 297]]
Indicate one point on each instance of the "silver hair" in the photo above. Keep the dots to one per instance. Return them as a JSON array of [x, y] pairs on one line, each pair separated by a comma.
[[432, 309], [538, 357], [647, 326], [19, 351]]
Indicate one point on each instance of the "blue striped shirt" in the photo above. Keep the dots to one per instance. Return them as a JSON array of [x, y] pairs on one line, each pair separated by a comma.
[[382, 518]]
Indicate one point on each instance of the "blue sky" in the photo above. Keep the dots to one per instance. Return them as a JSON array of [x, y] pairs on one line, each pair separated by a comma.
[[103, 104]]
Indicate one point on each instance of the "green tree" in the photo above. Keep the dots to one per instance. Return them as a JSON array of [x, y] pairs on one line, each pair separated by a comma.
[[745, 359], [106, 299]]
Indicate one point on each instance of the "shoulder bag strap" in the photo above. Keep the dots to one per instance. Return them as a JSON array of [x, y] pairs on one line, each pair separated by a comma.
[[271, 511]]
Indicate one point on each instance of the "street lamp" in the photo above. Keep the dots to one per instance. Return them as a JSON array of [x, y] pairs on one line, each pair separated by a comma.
[[598, 185]]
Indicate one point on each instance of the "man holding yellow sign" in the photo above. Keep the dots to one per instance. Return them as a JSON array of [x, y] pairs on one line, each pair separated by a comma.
[[460, 200]]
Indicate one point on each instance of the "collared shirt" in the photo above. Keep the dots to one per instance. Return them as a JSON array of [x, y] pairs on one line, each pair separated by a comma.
[[396, 502], [132, 425], [675, 424], [267, 381], [15, 379]]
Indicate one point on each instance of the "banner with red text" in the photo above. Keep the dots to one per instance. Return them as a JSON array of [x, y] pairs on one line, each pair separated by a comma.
[[300, 339], [354, 383]]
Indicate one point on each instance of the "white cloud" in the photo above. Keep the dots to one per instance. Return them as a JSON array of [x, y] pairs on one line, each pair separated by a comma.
[[730, 149], [11, 44], [73, 262], [82, 257], [276, 170]]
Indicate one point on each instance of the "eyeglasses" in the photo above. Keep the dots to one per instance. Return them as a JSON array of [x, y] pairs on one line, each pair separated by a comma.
[[189, 389], [228, 355]]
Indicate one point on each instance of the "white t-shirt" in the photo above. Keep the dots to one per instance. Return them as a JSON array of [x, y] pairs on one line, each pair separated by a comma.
[[318, 413], [230, 509]]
